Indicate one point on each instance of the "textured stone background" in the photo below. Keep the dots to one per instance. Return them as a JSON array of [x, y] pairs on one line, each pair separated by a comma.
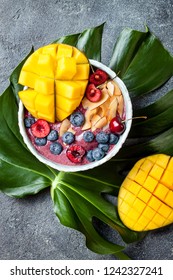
[[28, 227]]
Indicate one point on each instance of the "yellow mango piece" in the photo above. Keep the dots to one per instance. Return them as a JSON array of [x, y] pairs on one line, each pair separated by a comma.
[[140, 176], [163, 160], [44, 86], [156, 172], [150, 183], [139, 205], [169, 199], [154, 203], [170, 164], [64, 51], [49, 71], [82, 72], [161, 191], [66, 104], [167, 179], [27, 79], [165, 210], [31, 63], [28, 97], [148, 213], [145, 199], [146, 166], [79, 56], [50, 49], [32, 111], [83, 85], [44, 105], [66, 68], [68, 89], [61, 114], [46, 66], [144, 195]]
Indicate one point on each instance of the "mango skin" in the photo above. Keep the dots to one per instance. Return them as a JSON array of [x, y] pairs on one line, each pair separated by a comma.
[[145, 199], [56, 76]]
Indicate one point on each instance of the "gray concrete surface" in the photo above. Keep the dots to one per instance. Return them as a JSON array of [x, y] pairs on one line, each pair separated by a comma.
[[28, 227]]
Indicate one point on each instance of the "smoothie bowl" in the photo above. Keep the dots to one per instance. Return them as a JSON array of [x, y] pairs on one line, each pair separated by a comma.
[[76, 116]]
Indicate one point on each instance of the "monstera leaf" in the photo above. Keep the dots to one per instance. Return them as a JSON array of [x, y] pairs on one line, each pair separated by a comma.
[[80, 198], [142, 61]]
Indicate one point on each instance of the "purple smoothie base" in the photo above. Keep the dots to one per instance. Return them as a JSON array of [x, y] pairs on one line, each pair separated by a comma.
[[62, 158]]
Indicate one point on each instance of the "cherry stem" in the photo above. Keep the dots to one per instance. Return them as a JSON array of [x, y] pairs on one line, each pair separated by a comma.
[[92, 69], [140, 117]]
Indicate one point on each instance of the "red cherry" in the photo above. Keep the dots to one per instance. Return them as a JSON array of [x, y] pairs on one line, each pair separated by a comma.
[[98, 77], [116, 125], [93, 94]]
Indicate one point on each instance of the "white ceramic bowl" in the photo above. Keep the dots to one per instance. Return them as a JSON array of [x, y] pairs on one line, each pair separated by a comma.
[[114, 150]]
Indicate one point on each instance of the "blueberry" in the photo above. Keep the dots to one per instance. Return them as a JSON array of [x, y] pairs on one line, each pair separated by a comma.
[[102, 137], [113, 138], [40, 141], [77, 119], [104, 147], [98, 154], [28, 121], [88, 136], [89, 156], [56, 148], [53, 135], [68, 137]]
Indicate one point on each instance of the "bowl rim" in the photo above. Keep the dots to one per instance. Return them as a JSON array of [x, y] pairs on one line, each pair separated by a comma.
[[91, 165]]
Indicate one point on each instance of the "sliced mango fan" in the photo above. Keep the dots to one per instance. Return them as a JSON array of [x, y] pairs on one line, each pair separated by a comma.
[[79, 198]]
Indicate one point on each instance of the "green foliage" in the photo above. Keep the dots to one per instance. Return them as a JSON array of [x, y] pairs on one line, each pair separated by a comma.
[[143, 62], [78, 198]]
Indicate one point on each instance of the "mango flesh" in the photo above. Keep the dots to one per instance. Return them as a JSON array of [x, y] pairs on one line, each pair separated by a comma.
[[56, 76], [145, 199]]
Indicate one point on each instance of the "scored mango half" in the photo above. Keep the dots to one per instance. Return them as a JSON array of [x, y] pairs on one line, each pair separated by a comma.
[[56, 77], [145, 199]]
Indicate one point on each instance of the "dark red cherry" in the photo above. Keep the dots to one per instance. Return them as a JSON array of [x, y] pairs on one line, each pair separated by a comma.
[[98, 77], [116, 125]]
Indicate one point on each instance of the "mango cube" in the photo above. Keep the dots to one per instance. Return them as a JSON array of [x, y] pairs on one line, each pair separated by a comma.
[[66, 68], [81, 72], [30, 64], [27, 79], [64, 51], [79, 56], [167, 179], [44, 86], [66, 104], [46, 66], [61, 114], [161, 191], [28, 96], [68, 89], [56, 76], [50, 49]]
